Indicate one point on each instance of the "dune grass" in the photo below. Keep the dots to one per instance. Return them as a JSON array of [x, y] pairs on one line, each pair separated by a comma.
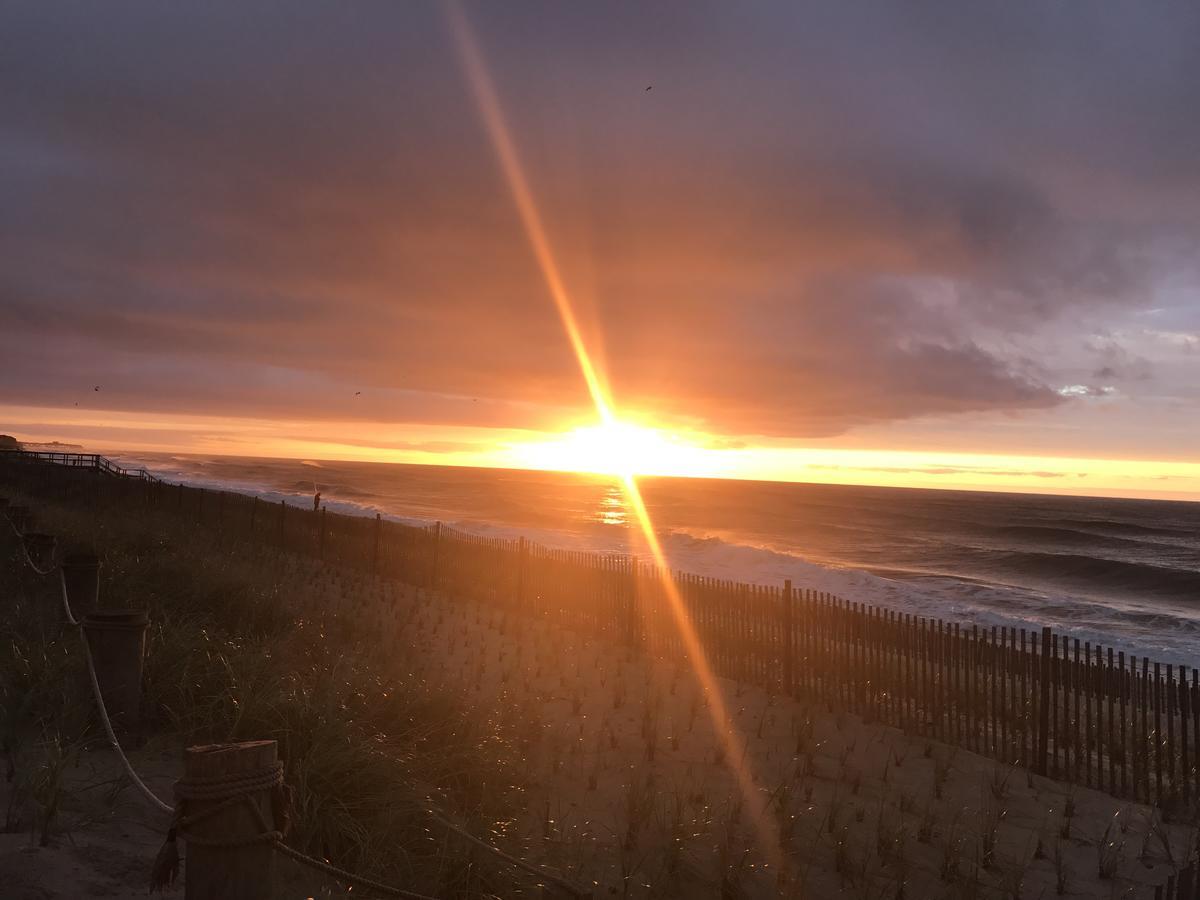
[[233, 654]]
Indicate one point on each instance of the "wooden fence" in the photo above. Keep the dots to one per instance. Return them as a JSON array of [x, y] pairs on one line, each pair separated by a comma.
[[1028, 697]]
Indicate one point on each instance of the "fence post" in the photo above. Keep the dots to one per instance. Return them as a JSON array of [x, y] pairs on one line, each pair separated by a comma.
[[375, 548], [81, 576], [521, 551], [788, 642], [437, 546], [116, 642], [1044, 704], [321, 539], [632, 612], [215, 872]]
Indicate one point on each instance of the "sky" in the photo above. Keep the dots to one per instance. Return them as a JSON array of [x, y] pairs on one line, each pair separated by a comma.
[[938, 244]]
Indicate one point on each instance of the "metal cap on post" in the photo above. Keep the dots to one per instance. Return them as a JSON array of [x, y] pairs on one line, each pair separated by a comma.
[[116, 639], [81, 573]]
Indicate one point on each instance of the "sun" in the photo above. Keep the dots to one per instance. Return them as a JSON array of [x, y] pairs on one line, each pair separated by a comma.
[[620, 449]]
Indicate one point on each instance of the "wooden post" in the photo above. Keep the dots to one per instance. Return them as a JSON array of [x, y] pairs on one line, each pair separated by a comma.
[[375, 548], [116, 642], [81, 576], [437, 547], [1077, 677], [1185, 762], [321, 536], [216, 873], [1156, 692], [1122, 683], [788, 640], [1194, 701], [1044, 704], [519, 599], [1170, 701]]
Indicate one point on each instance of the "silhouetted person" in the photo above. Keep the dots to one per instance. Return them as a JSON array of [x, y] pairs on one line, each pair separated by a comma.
[[317, 501]]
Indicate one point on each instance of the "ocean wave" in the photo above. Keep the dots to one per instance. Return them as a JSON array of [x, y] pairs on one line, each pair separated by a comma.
[[1102, 574], [1070, 536], [1108, 526]]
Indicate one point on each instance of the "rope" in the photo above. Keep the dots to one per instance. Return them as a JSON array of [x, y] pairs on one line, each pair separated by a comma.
[[348, 877], [62, 580], [91, 667], [25, 550], [532, 868], [112, 737], [235, 788], [239, 788]]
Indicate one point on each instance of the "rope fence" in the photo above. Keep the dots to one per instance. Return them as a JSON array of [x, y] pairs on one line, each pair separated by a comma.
[[232, 789]]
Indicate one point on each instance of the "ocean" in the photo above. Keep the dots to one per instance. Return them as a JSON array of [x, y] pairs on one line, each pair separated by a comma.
[[1125, 573]]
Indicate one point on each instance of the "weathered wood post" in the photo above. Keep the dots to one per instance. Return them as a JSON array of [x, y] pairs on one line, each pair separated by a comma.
[[1044, 704], [81, 574], [788, 639], [521, 551], [116, 641], [437, 549], [375, 547], [321, 537], [217, 871]]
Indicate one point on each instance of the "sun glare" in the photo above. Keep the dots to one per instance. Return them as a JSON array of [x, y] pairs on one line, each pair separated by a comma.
[[616, 448]]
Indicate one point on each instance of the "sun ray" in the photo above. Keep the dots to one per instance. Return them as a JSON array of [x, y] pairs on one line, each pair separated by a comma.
[[491, 112]]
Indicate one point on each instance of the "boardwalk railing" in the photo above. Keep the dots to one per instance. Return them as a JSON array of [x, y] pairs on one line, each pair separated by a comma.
[[93, 461], [1028, 697]]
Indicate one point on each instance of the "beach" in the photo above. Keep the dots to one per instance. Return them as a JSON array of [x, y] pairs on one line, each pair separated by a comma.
[[619, 773]]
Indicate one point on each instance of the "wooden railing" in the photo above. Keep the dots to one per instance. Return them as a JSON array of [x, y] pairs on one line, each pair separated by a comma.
[[94, 461]]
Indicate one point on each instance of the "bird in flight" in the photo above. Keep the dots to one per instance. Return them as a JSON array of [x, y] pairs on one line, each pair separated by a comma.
[[649, 86], [96, 388], [356, 393]]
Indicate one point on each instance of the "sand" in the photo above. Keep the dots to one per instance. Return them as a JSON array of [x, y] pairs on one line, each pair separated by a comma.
[[630, 790]]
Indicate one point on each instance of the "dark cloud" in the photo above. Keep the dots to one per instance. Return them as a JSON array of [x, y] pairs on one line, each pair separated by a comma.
[[822, 217]]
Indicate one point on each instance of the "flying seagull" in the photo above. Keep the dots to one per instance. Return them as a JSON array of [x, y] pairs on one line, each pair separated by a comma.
[[356, 393], [96, 388], [650, 86]]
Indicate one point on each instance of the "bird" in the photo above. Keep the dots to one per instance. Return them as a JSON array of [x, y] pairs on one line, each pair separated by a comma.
[[356, 393], [649, 86], [96, 388]]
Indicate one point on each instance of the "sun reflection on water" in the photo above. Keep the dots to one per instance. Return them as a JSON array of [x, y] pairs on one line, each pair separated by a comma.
[[611, 510]]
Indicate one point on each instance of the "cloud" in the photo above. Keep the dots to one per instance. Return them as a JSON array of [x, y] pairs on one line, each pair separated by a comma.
[[952, 470], [260, 212]]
